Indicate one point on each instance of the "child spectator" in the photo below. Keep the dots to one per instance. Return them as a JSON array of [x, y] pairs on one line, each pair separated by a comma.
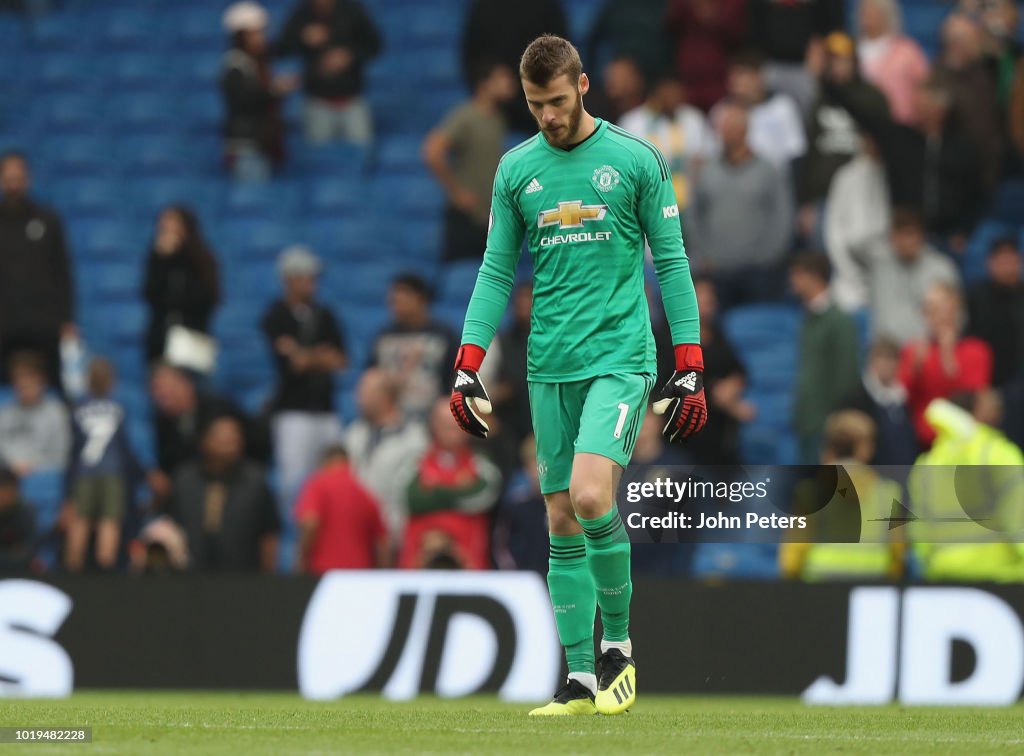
[[101, 474]]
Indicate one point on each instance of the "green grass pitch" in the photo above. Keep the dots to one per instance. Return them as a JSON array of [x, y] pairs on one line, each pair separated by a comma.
[[130, 722]]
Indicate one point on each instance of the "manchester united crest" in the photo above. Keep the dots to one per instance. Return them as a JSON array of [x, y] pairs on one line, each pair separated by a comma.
[[605, 178]]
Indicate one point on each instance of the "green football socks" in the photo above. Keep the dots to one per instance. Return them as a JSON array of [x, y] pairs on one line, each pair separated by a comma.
[[573, 599], [608, 550]]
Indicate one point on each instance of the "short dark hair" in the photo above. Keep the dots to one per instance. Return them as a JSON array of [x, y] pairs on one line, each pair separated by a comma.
[[814, 263], [752, 59], [481, 70], [548, 57], [32, 362], [907, 217], [102, 376], [886, 347], [415, 283], [14, 155], [1003, 244]]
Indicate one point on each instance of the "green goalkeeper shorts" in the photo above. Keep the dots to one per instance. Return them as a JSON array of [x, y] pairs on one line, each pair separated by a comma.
[[599, 415]]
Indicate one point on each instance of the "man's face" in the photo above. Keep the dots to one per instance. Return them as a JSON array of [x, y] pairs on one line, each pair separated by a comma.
[[301, 288], [29, 386], [501, 84], [223, 442], [371, 393], [1004, 266], [907, 242], [731, 122], [406, 303], [557, 107], [840, 69], [172, 392], [884, 365], [941, 310], [745, 84], [446, 432], [14, 178]]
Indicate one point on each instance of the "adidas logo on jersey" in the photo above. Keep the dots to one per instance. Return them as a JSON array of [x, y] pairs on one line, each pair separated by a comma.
[[462, 379], [688, 381], [533, 186]]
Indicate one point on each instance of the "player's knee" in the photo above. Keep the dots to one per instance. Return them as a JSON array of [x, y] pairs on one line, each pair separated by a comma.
[[590, 501], [561, 518]]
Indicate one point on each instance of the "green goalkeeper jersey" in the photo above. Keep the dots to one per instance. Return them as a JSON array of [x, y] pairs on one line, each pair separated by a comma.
[[585, 213]]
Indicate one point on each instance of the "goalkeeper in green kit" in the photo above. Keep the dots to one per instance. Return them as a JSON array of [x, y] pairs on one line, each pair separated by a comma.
[[586, 194]]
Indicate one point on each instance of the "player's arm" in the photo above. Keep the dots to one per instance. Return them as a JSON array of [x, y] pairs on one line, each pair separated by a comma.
[[437, 146], [469, 400], [682, 398]]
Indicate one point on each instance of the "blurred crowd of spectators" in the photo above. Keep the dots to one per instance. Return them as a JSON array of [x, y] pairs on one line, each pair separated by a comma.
[[837, 168]]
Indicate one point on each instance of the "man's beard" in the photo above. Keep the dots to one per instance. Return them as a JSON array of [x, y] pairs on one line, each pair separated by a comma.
[[565, 136]]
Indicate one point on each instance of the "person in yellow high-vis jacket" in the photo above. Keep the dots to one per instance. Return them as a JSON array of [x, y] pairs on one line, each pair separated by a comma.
[[967, 495], [849, 538]]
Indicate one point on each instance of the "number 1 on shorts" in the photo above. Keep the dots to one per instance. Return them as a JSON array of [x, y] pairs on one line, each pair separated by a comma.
[[623, 411]]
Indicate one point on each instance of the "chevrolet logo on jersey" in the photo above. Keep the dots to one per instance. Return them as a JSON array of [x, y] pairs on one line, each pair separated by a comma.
[[572, 214]]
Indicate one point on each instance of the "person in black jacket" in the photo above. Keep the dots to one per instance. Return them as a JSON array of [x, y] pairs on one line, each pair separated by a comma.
[[182, 286], [995, 309], [254, 129], [499, 31], [336, 39], [36, 288], [308, 350]]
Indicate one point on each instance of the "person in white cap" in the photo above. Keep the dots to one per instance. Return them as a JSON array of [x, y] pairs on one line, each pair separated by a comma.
[[254, 129], [308, 350]]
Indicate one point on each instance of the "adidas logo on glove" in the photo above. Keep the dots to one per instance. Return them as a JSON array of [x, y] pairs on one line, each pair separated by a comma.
[[688, 381], [462, 379]]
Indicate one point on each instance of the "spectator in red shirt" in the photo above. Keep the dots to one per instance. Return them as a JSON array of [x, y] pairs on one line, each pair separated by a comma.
[[340, 524], [943, 363]]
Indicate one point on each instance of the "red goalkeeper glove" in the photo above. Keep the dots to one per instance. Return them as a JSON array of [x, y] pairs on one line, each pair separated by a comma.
[[682, 399], [469, 399]]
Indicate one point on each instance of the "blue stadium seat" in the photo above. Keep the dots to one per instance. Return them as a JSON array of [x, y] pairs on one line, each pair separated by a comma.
[[58, 72], [202, 110], [255, 239], [60, 33], [278, 199], [114, 281], [109, 241], [334, 161], [400, 154], [130, 30], [153, 154], [923, 21], [136, 72], [67, 114], [76, 155], [199, 29], [150, 195], [333, 196], [761, 324], [81, 198], [145, 113]]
